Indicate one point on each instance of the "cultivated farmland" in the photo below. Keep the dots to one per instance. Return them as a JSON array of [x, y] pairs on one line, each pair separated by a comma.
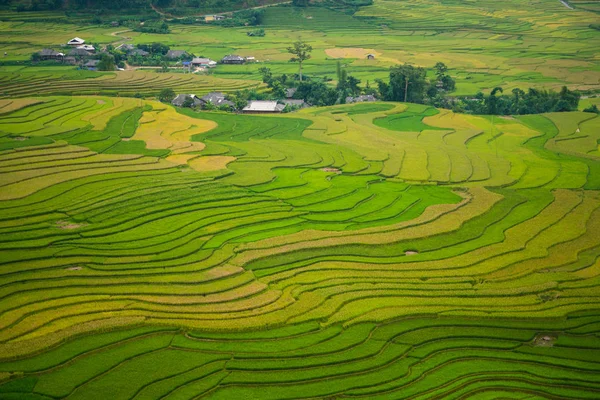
[[540, 43], [379, 250]]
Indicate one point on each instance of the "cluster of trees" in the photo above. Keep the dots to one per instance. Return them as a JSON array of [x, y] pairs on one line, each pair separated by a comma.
[[534, 101], [410, 84], [314, 91], [158, 55]]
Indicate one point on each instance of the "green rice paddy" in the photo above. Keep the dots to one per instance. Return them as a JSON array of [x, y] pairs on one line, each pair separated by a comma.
[[375, 251], [371, 251]]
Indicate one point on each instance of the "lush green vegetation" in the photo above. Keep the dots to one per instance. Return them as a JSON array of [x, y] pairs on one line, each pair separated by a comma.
[[376, 250]]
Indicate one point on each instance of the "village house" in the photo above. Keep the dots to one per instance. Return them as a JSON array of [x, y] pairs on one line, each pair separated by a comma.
[[290, 92], [204, 62], [92, 65], [87, 47], [361, 98], [250, 59], [180, 100], [139, 52], [370, 56], [175, 54], [217, 99], [233, 59], [76, 42], [263, 107], [49, 54], [125, 47], [211, 18], [70, 60], [79, 53]]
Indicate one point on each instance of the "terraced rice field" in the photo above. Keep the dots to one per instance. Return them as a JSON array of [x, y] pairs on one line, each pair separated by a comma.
[[372, 251], [23, 82]]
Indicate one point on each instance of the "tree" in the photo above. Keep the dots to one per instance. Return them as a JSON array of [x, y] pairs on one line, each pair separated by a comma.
[[592, 109], [301, 50], [107, 63], [266, 74], [440, 70], [166, 95], [407, 83], [517, 96], [188, 102], [353, 85], [492, 101], [164, 67]]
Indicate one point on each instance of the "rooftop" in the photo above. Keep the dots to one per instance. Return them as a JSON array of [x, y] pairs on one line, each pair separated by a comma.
[[263, 106]]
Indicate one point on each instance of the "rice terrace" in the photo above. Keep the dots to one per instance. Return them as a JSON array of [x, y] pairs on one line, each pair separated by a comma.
[[307, 199]]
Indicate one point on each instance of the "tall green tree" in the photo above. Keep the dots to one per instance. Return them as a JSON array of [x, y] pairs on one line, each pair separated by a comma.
[[301, 51], [107, 63], [492, 101], [167, 95], [407, 83]]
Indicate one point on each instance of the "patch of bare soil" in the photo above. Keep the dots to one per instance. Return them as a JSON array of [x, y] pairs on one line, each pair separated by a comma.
[[410, 253], [68, 225], [100, 101], [19, 138], [74, 268], [545, 340], [331, 169]]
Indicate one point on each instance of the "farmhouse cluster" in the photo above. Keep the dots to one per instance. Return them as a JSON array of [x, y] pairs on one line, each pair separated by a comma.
[[77, 52], [157, 55], [219, 100]]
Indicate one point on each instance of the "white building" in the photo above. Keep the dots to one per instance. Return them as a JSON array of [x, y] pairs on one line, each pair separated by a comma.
[[263, 107], [76, 42]]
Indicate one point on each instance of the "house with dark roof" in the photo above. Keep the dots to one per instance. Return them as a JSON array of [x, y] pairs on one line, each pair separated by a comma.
[[233, 59], [125, 47], [92, 65], [180, 100], [217, 99], [290, 92], [49, 54], [175, 54], [79, 53], [139, 52], [370, 56]]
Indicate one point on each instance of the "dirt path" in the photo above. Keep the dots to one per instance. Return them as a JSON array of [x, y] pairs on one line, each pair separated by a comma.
[[122, 39]]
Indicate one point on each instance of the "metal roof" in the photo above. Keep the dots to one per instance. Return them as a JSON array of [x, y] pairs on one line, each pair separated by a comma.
[[259, 105]]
